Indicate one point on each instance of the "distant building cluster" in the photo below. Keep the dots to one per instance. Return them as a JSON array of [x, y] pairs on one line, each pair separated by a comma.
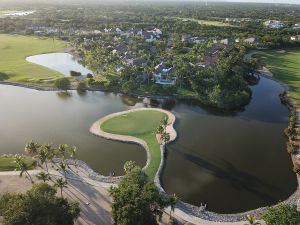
[[149, 36], [274, 24]]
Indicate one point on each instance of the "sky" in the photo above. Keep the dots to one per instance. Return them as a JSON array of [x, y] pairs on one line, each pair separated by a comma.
[[70, 1], [268, 1]]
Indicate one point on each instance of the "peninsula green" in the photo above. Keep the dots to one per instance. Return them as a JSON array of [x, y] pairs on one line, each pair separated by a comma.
[[140, 124]]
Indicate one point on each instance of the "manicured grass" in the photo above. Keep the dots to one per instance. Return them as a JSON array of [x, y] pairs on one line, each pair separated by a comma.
[[179, 92], [285, 66], [140, 124], [207, 22], [13, 52], [8, 164]]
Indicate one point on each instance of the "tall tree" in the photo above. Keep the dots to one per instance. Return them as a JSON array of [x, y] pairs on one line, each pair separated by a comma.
[[31, 148], [22, 166], [136, 200], [43, 176], [172, 202], [38, 206], [61, 184]]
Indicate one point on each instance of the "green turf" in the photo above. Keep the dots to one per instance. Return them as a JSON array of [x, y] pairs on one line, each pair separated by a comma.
[[13, 52], [141, 124], [8, 164], [207, 22], [285, 66]]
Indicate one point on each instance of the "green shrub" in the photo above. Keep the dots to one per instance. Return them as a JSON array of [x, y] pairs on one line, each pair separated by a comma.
[[296, 168], [81, 86], [282, 215], [129, 86], [291, 147], [89, 75], [75, 74], [62, 83]]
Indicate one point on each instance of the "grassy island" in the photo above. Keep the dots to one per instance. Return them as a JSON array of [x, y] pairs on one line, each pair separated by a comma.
[[13, 53], [140, 124]]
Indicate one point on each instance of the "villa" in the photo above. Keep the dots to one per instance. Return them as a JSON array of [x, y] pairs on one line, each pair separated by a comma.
[[253, 41], [227, 41], [138, 62], [163, 74], [190, 39], [120, 49], [296, 26], [208, 62], [295, 38], [274, 24]]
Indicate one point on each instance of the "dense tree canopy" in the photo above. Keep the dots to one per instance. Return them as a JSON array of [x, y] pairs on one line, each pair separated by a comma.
[[38, 206], [136, 200]]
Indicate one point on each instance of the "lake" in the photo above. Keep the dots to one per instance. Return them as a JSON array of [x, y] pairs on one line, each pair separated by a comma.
[[231, 162], [61, 62]]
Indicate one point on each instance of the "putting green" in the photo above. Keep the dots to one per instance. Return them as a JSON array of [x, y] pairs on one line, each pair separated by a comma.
[[140, 124]]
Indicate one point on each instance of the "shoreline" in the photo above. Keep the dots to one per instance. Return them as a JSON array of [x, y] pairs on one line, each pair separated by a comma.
[[196, 211], [191, 209], [96, 130]]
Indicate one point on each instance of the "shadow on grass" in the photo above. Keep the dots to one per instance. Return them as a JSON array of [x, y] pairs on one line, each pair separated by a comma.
[[3, 76]]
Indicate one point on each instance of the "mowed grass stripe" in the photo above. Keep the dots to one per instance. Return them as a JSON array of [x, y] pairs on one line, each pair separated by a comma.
[[285, 66], [13, 53]]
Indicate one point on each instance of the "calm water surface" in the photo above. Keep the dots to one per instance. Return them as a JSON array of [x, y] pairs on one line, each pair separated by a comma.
[[61, 62], [230, 162]]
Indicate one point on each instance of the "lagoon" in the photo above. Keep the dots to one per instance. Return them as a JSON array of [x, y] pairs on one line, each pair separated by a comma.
[[232, 162], [60, 62]]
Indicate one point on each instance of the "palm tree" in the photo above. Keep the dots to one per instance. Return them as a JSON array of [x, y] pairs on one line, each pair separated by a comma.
[[22, 166], [251, 220], [43, 176], [62, 150], [61, 184], [160, 129], [63, 167], [165, 137], [32, 148], [43, 156], [172, 202], [73, 152], [165, 121]]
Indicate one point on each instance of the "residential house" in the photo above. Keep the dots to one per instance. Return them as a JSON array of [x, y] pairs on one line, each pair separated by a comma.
[[227, 41], [295, 38], [135, 31], [296, 26], [157, 32], [149, 36], [120, 49], [127, 58], [216, 48], [163, 74], [186, 37], [190, 39], [208, 62], [274, 24], [139, 62], [253, 41]]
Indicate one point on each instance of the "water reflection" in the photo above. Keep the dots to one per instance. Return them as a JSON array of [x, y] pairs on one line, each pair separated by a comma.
[[233, 162]]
